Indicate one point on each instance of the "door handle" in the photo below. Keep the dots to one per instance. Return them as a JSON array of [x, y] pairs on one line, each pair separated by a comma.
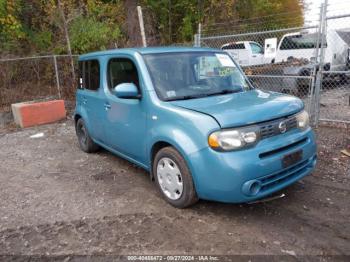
[[84, 101], [107, 106]]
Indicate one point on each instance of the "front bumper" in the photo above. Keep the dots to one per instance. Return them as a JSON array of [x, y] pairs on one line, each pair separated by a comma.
[[225, 176]]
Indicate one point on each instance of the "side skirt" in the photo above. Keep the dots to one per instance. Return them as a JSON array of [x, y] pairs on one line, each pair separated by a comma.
[[123, 155]]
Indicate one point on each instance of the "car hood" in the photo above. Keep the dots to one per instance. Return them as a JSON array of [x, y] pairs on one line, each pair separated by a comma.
[[244, 108]]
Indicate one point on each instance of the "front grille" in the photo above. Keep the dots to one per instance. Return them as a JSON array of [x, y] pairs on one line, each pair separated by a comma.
[[284, 148], [273, 180], [269, 129]]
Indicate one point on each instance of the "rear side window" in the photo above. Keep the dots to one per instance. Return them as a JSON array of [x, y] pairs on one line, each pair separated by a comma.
[[89, 75], [233, 46]]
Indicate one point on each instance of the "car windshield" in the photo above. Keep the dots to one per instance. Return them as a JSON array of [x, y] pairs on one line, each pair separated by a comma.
[[190, 75]]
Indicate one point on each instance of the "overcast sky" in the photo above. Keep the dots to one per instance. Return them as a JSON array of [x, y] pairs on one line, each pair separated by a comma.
[[335, 7]]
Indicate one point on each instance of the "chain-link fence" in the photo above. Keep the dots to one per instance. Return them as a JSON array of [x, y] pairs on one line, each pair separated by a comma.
[[334, 102], [309, 59], [36, 78], [267, 70]]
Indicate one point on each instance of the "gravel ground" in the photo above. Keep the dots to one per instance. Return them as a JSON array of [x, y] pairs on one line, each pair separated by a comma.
[[335, 103], [57, 200]]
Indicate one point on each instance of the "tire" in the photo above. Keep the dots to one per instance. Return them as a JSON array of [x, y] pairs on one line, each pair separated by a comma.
[[343, 79], [303, 85], [286, 91], [303, 90], [169, 157], [85, 142]]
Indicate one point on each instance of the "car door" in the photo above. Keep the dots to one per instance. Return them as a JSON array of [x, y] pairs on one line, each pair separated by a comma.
[[257, 56], [125, 119], [238, 51], [90, 97]]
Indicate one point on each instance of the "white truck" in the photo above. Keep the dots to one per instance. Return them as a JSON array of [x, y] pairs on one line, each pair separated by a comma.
[[303, 45], [292, 47], [299, 45], [246, 53]]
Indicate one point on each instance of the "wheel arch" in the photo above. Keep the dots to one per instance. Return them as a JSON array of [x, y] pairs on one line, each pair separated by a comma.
[[160, 144], [76, 118], [81, 113]]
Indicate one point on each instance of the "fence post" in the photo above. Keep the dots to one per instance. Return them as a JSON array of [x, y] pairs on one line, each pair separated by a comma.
[[199, 34], [312, 100], [197, 37], [57, 77], [142, 26], [319, 75], [195, 40]]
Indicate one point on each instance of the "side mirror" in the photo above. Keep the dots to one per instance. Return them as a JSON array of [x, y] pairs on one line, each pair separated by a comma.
[[126, 90]]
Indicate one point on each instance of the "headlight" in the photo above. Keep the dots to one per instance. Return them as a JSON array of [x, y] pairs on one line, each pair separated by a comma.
[[233, 139], [303, 120]]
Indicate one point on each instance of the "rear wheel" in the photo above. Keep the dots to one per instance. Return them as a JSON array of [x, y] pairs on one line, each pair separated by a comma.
[[173, 178], [85, 142]]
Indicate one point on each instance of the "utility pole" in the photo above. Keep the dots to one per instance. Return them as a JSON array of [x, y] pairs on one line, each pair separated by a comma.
[[142, 26]]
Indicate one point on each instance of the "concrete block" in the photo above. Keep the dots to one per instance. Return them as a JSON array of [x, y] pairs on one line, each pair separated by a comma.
[[38, 113]]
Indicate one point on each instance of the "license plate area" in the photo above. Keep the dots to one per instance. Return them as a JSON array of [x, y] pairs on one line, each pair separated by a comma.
[[292, 158]]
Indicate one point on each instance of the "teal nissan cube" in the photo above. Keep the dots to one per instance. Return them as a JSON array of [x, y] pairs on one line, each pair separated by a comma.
[[192, 119]]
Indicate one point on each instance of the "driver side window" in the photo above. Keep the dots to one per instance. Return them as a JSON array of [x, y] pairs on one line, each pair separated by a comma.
[[256, 49], [122, 70]]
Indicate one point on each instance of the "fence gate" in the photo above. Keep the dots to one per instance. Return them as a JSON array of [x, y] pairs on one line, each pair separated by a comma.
[[334, 100], [310, 61]]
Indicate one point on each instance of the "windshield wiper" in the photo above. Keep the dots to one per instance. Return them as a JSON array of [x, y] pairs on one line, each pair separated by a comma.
[[224, 92], [185, 97]]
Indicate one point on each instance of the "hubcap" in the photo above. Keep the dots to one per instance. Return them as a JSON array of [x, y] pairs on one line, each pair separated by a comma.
[[169, 178], [82, 134]]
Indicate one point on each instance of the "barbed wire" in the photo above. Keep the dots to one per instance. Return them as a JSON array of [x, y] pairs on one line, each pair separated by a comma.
[[289, 20]]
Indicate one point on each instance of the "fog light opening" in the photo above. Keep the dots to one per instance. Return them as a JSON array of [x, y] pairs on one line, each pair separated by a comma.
[[314, 161], [254, 188], [251, 187]]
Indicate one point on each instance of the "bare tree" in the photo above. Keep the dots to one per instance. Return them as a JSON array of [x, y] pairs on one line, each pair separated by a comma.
[[66, 33]]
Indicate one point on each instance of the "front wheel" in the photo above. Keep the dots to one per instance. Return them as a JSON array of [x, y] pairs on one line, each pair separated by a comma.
[[85, 142], [173, 178]]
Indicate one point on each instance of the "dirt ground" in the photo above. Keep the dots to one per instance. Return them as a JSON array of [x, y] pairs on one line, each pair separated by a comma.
[[57, 200]]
